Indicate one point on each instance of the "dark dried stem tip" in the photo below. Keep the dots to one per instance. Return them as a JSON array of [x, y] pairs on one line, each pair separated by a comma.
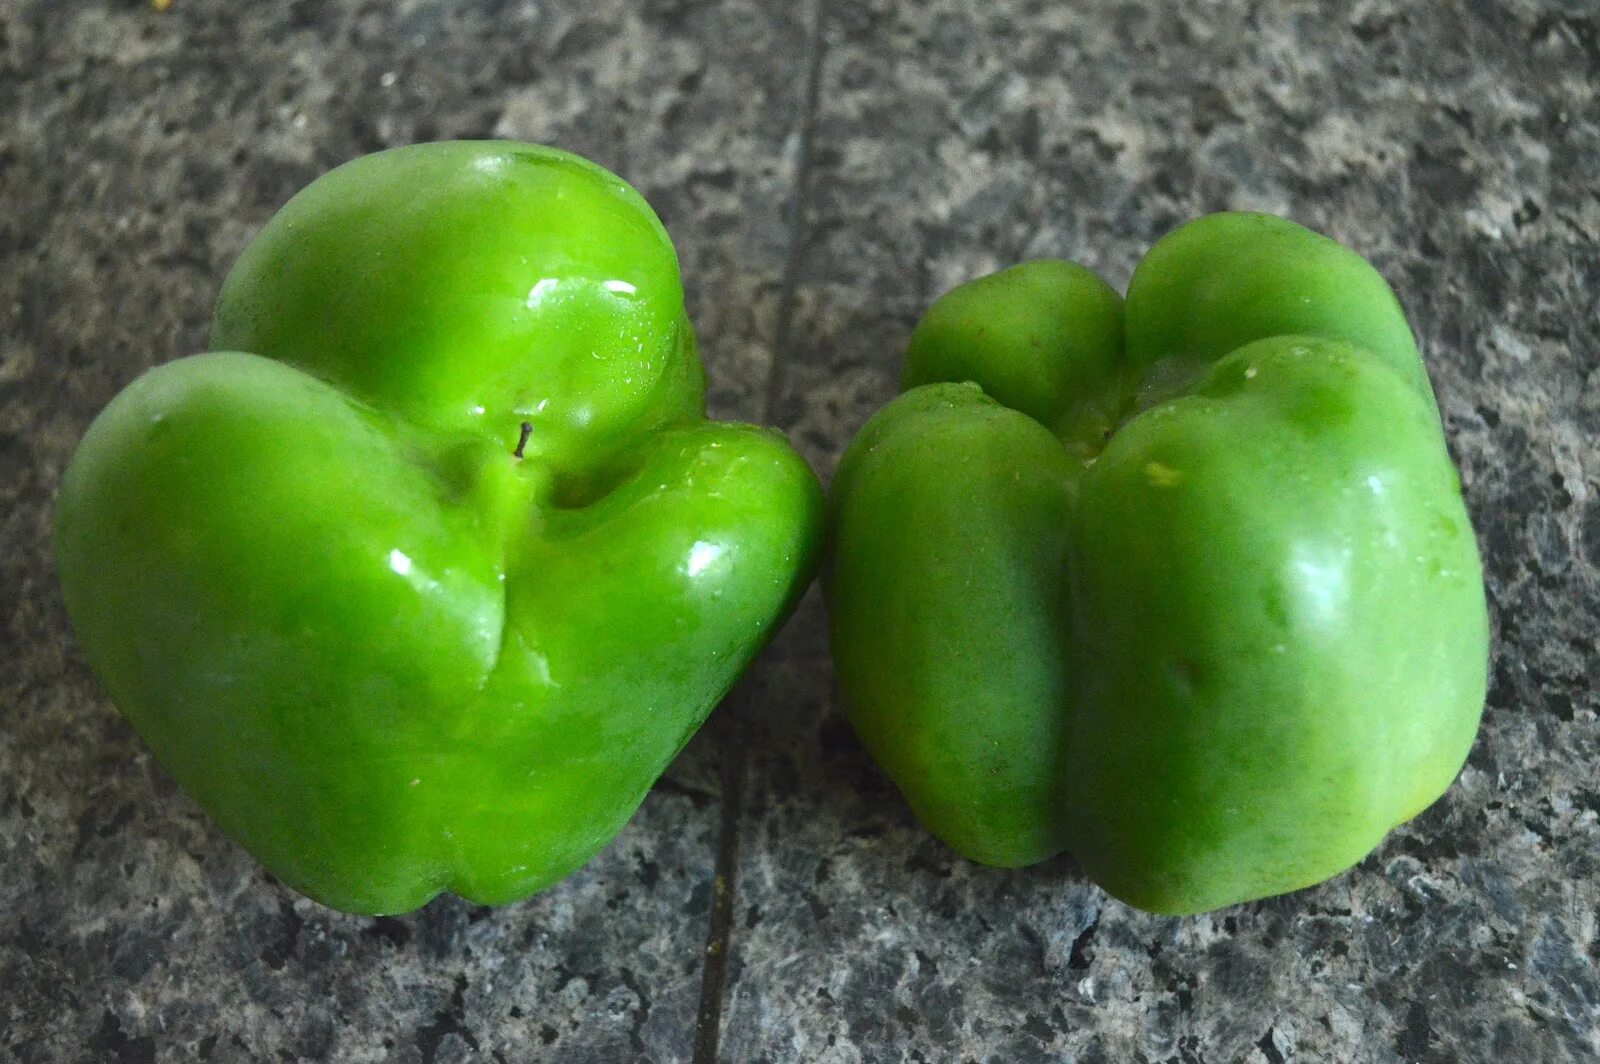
[[522, 441]]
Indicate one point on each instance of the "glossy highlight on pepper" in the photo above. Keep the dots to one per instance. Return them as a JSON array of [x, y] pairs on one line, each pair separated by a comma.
[[421, 578], [1182, 583]]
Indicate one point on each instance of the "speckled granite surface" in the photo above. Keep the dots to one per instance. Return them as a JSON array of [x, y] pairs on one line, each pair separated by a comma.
[[825, 169]]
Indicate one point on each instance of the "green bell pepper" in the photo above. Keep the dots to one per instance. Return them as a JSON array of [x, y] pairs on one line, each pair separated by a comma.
[[420, 582], [1182, 583]]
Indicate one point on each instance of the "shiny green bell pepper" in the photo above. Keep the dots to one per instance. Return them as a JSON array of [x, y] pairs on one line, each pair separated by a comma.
[[421, 580], [1182, 583]]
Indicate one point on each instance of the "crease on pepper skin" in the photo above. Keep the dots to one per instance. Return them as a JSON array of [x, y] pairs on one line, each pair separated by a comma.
[[1265, 665]]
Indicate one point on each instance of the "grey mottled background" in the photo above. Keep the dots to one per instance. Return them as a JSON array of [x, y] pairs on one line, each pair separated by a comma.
[[826, 168]]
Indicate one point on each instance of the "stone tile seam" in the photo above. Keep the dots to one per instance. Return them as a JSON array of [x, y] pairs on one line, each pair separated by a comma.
[[734, 754]]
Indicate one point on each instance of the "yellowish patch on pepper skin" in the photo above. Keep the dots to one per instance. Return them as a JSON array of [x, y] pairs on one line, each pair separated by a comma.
[[1161, 476]]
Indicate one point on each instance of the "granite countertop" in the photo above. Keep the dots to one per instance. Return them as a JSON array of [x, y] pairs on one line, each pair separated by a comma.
[[825, 168]]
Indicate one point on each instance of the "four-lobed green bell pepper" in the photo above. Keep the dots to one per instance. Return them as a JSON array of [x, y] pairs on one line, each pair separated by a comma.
[[422, 579], [1182, 583]]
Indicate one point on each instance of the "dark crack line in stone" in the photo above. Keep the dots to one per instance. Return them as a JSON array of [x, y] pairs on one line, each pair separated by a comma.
[[719, 937], [714, 972], [799, 234]]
